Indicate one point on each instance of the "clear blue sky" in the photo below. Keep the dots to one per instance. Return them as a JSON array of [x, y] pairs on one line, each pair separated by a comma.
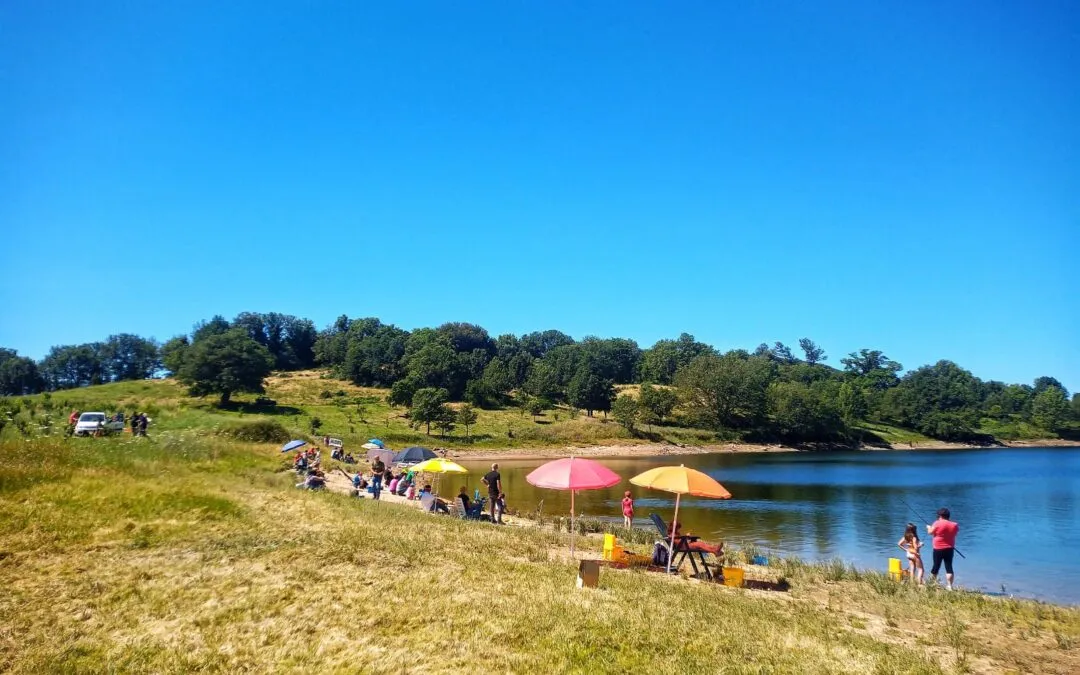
[[902, 176]]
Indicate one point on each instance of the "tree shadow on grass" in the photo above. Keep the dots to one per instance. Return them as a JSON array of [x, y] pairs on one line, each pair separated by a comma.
[[259, 408]]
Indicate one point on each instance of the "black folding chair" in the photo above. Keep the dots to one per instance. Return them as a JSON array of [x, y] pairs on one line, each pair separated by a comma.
[[682, 549]]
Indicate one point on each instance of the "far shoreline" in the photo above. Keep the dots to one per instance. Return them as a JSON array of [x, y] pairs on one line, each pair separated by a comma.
[[668, 449]]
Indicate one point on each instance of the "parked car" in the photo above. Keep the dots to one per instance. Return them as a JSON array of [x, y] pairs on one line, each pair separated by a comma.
[[90, 423]]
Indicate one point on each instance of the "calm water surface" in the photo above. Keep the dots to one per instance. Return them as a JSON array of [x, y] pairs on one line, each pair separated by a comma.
[[1018, 509]]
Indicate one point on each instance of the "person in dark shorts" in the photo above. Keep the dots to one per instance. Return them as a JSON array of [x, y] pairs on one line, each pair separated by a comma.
[[377, 469], [944, 532], [493, 480]]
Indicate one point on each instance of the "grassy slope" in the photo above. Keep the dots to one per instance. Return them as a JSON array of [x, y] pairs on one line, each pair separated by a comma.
[[183, 552], [303, 395]]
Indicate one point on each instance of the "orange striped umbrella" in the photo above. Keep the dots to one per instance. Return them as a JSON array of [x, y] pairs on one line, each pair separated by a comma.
[[681, 481]]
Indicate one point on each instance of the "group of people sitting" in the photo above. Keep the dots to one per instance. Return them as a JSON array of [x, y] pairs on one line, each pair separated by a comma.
[[402, 484], [308, 463], [340, 455]]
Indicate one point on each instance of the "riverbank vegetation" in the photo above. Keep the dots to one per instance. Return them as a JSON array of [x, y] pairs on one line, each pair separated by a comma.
[[680, 389], [187, 551]]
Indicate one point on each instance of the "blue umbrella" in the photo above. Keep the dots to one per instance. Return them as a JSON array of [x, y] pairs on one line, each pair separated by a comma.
[[413, 455], [375, 441], [292, 445]]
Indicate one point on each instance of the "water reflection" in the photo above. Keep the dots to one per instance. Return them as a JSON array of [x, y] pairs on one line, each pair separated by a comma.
[[851, 505]]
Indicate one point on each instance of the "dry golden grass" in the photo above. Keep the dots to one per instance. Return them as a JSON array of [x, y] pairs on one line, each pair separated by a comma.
[[183, 552]]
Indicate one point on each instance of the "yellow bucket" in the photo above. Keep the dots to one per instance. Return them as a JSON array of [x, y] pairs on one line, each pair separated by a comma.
[[895, 572], [733, 576], [609, 546]]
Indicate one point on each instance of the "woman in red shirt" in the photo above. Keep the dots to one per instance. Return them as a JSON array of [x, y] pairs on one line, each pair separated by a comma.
[[944, 532]]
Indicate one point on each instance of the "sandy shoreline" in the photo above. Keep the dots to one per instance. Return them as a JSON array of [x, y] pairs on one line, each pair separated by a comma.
[[663, 449]]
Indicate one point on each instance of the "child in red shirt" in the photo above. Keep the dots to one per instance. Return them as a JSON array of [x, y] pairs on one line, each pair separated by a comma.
[[627, 510]]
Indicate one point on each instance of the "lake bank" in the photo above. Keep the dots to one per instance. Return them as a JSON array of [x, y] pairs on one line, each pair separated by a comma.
[[854, 505], [665, 449]]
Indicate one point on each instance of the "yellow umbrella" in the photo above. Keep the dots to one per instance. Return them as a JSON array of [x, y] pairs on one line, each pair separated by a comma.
[[439, 465], [681, 481]]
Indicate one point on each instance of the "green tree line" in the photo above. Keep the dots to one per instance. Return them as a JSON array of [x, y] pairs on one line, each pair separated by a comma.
[[771, 393]]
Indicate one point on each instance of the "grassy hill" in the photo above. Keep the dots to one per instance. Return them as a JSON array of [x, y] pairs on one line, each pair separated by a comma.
[[355, 414], [190, 551]]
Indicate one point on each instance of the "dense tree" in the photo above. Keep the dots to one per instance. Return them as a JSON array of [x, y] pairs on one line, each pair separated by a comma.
[[660, 362], [1076, 406], [291, 341], [435, 364], [615, 359], [401, 393], [802, 413], [589, 391], [172, 353], [1003, 402], [71, 366], [479, 394], [768, 393], [520, 366], [543, 381], [332, 343], [924, 394], [875, 370], [807, 373], [625, 410], [19, 375], [130, 357], [429, 407], [507, 346], [540, 343], [656, 403], [851, 403], [726, 391], [497, 377], [466, 337], [374, 355], [1045, 382], [947, 426], [215, 326], [224, 364], [811, 352], [1050, 408], [562, 363]]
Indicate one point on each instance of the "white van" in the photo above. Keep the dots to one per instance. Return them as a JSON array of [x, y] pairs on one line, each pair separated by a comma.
[[91, 422]]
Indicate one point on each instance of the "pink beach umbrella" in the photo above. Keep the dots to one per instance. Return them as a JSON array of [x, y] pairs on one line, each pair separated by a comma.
[[573, 474]]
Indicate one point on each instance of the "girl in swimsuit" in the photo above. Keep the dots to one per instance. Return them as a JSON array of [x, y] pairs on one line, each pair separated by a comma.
[[910, 544]]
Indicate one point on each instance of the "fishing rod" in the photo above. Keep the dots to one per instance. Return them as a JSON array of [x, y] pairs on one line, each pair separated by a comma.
[[919, 516]]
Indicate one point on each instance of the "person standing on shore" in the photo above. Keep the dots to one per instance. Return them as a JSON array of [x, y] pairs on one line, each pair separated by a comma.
[[944, 532], [377, 469], [493, 480], [627, 510], [911, 544]]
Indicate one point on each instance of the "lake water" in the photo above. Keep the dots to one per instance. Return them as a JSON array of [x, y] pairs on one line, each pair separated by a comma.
[[1018, 509]]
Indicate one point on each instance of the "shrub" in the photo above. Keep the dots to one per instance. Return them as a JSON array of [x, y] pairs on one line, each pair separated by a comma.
[[261, 431]]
